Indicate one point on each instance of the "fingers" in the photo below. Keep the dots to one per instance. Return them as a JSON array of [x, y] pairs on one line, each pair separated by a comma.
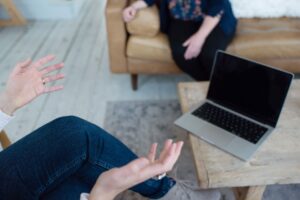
[[187, 54], [191, 52], [177, 152], [171, 156], [186, 43], [43, 61], [129, 13], [132, 13], [53, 89], [179, 147], [164, 152], [152, 152], [168, 159], [165, 163], [52, 68], [142, 169], [48, 79]]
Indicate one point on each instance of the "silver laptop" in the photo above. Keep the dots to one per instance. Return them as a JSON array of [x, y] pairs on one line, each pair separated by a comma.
[[242, 106]]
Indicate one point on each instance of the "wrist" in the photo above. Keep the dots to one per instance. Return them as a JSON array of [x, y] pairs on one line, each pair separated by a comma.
[[201, 35], [6, 104], [98, 193], [139, 5], [133, 6]]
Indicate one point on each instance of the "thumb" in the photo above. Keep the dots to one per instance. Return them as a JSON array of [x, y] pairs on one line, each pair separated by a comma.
[[186, 43], [21, 67], [24, 63]]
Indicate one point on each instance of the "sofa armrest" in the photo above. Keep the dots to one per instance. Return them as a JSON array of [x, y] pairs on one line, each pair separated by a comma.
[[4, 141], [117, 35], [146, 23]]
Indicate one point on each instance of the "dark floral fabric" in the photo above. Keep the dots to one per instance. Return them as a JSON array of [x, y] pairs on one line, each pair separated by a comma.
[[186, 9]]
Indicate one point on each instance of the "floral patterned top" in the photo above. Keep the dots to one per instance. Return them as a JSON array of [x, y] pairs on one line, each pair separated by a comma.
[[186, 9]]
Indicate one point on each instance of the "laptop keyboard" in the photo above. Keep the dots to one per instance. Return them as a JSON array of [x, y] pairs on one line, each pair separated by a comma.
[[236, 125]]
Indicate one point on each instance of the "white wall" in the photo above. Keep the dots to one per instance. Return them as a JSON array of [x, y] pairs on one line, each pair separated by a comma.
[[266, 8], [47, 9]]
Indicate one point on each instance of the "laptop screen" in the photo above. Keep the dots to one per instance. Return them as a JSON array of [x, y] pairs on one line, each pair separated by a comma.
[[249, 88]]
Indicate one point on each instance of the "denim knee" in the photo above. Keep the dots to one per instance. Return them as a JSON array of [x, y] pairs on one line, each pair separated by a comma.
[[69, 120], [71, 127]]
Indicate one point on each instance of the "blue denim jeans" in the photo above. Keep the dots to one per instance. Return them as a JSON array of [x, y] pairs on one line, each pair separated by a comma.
[[64, 158]]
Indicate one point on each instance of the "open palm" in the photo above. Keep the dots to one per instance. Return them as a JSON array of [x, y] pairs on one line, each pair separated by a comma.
[[28, 80], [117, 180]]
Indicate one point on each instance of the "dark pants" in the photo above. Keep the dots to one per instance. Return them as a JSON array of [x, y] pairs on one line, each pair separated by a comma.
[[63, 159], [198, 68]]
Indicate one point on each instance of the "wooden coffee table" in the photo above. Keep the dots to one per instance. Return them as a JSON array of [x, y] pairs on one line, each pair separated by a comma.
[[277, 161]]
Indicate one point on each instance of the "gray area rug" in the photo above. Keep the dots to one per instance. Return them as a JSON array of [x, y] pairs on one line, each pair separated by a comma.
[[138, 124]]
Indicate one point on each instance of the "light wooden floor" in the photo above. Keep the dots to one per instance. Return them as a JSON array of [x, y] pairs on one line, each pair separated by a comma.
[[81, 44]]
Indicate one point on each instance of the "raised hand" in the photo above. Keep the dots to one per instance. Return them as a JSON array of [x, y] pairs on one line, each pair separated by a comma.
[[27, 81], [117, 180]]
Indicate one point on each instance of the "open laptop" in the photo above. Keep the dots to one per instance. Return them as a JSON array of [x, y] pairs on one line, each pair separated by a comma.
[[242, 106]]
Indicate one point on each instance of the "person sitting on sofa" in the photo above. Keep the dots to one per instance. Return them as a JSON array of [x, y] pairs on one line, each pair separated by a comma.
[[195, 28], [69, 157]]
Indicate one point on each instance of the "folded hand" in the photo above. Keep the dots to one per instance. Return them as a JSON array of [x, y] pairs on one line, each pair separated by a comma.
[[194, 46]]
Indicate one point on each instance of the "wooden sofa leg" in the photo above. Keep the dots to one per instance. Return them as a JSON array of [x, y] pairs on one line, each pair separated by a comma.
[[134, 81]]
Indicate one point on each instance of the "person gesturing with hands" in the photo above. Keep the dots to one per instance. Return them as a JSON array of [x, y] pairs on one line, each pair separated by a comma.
[[69, 157]]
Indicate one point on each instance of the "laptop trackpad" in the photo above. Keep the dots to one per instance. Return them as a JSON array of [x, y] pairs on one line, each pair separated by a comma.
[[214, 134]]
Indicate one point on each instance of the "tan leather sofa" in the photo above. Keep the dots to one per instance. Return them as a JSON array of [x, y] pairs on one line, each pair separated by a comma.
[[139, 47]]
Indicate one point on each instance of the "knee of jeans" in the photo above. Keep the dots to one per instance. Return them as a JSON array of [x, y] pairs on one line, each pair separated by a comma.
[[71, 127], [80, 125], [69, 122], [69, 119]]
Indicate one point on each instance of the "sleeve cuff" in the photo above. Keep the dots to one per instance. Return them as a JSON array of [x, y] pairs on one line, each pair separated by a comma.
[[215, 8], [4, 119], [215, 12], [84, 196], [149, 2]]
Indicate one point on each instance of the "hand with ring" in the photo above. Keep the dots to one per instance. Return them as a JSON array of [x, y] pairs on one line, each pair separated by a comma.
[[27, 81]]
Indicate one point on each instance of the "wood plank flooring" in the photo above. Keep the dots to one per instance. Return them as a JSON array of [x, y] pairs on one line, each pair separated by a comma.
[[81, 43]]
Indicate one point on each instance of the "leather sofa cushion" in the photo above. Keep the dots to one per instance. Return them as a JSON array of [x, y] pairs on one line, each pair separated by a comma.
[[259, 39], [155, 48], [146, 22], [267, 38]]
